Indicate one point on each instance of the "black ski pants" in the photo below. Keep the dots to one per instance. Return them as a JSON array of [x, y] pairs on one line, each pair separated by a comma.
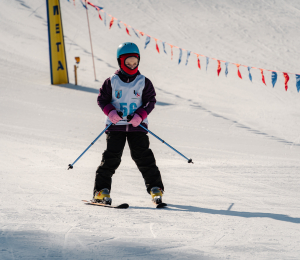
[[143, 156]]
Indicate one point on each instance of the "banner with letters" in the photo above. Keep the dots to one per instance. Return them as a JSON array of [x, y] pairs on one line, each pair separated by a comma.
[[58, 62]]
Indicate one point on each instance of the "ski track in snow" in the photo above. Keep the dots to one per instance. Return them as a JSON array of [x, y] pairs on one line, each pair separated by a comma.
[[151, 229]]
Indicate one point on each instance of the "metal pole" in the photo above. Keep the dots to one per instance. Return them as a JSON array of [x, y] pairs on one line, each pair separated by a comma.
[[87, 16], [189, 160], [71, 165], [75, 72]]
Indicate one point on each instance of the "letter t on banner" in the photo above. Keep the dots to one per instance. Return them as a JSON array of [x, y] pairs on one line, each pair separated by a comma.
[[57, 54]]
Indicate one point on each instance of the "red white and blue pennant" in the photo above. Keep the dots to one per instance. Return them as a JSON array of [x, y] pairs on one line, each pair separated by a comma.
[[138, 33]]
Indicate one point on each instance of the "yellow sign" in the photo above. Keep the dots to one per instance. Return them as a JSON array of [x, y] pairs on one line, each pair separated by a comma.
[[58, 62]]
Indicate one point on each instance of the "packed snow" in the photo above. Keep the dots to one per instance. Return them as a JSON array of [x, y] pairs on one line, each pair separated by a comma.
[[240, 198]]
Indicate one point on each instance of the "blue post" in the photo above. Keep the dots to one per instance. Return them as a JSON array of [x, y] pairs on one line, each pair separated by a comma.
[[189, 160], [71, 165]]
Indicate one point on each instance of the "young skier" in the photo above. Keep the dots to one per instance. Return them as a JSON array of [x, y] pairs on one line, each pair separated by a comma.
[[133, 94]]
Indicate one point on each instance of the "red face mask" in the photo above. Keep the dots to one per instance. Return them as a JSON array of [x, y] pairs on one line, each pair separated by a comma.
[[124, 67]]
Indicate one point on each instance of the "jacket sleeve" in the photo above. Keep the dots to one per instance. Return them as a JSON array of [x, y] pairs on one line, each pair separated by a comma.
[[148, 99], [105, 96]]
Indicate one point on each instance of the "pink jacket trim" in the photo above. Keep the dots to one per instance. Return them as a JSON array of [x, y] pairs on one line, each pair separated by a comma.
[[141, 112], [108, 108]]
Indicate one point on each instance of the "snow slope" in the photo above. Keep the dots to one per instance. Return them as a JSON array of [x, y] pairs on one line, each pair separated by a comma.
[[240, 200]]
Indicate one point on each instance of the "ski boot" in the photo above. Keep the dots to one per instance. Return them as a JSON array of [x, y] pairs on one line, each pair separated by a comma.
[[156, 194], [103, 197]]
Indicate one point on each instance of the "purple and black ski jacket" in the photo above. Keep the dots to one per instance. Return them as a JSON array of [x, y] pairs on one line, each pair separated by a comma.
[[148, 98]]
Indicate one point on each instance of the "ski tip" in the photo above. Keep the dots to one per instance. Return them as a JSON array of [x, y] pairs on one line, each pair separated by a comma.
[[122, 206], [161, 205]]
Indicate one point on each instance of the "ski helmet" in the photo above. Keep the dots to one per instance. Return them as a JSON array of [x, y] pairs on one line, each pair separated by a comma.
[[127, 47], [127, 50]]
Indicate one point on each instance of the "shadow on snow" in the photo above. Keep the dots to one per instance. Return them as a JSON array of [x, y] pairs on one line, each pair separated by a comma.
[[74, 243], [96, 91], [280, 217]]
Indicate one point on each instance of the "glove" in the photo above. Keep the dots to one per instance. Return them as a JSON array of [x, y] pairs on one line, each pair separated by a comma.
[[114, 117], [136, 120]]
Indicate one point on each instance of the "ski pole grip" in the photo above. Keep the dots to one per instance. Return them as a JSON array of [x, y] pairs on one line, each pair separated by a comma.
[[120, 113], [129, 117]]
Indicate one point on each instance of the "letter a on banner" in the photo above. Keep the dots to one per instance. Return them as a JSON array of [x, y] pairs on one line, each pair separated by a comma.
[[58, 62]]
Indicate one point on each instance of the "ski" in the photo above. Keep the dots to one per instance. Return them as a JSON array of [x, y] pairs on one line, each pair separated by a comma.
[[161, 205], [121, 206]]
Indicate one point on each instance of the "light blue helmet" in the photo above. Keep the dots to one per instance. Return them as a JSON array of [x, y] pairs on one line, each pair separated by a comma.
[[127, 47]]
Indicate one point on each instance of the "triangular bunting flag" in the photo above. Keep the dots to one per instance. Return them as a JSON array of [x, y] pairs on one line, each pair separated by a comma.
[[111, 22], [199, 65], [298, 82], [274, 78], [135, 32], [287, 78], [207, 61], [226, 70], [262, 76], [164, 47], [147, 41], [187, 57], [238, 72], [156, 46], [250, 76], [180, 55], [219, 68], [126, 29], [100, 16], [171, 51]]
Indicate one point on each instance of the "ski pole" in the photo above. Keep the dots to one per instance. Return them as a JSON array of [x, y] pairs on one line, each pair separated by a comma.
[[189, 160], [71, 165]]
